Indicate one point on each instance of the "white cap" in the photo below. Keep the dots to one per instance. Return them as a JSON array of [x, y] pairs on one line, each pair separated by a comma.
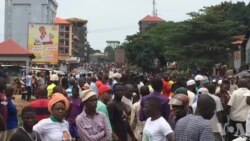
[[190, 82], [198, 77], [203, 90], [220, 82], [54, 77]]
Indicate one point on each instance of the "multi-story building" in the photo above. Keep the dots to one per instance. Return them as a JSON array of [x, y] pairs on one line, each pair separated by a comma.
[[80, 44], [148, 22], [19, 13], [65, 39]]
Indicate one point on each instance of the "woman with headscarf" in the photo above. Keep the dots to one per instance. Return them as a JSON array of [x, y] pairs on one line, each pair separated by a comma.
[[55, 128], [92, 125]]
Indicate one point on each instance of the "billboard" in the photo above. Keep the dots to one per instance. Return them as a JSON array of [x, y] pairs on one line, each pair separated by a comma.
[[43, 42], [120, 55], [237, 59]]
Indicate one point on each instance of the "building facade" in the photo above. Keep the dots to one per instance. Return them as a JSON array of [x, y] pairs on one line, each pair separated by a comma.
[[65, 39], [80, 46], [148, 22], [19, 13]]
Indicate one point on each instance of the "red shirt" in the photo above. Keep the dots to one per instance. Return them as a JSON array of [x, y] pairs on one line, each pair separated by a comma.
[[41, 108], [166, 89]]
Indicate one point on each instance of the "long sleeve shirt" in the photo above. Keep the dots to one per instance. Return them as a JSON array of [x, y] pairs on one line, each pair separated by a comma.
[[93, 128]]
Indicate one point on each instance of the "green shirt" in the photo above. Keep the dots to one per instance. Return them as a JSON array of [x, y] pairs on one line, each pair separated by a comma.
[[101, 107]]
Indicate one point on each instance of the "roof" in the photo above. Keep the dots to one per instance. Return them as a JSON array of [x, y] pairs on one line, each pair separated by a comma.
[[10, 47], [58, 20], [238, 40], [77, 20], [149, 18]]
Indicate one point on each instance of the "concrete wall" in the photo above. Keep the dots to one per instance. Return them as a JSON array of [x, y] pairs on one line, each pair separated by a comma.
[[19, 13]]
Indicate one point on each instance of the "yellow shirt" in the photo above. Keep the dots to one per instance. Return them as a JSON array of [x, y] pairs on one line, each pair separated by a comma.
[[50, 89]]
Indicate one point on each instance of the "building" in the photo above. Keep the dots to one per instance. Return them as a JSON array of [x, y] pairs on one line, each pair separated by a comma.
[[65, 39], [148, 22], [80, 46], [19, 13]]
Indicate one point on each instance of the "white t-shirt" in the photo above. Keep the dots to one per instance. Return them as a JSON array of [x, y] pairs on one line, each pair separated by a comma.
[[156, 130], [50, 130], [239, 108], [214, 122]]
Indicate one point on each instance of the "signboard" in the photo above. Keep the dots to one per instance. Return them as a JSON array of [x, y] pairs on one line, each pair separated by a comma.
[[237, 59], [43, 42], [120, 55]]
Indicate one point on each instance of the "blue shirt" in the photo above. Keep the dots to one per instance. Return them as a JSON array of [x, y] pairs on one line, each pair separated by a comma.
[[12, 121]]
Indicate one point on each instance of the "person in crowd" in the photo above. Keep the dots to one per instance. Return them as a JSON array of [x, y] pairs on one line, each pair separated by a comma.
[[3, 108], [166, 87], [216, 121], [157, 85], [233, 85], [156, 127], [118, 116], [75, 109], [60, 89], [93, 85], [65, 84], [53, 83], [28, 84], [69, 89], [198, 78], [12, 120], [223, 94], [26, 133], [238, 109], [195, 127], [248, 119], [55, 128], [40, 105], [98, 82], [127, 98], [104, 97], [191, 91], [135, 123], [92, 125], [179, 104]]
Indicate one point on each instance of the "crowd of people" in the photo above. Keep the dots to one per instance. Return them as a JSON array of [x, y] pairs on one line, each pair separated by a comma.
[[118, 107]]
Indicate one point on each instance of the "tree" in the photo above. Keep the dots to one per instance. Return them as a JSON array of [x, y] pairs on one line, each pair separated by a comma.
[[110, 53], [203, 40]]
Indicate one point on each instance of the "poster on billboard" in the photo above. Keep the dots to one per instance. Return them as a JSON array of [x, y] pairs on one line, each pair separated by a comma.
[[43, 42]]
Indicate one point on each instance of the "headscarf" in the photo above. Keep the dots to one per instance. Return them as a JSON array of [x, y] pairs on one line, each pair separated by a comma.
[[57, 97]]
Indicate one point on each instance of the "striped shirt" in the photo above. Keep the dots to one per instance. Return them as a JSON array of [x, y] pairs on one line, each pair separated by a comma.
[[193, 128], [93, 129]]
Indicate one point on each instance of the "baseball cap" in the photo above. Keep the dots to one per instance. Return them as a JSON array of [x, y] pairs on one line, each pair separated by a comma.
[[103, 88], [198, 77]]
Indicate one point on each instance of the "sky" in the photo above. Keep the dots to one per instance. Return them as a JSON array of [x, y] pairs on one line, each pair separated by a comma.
[[115, 19]]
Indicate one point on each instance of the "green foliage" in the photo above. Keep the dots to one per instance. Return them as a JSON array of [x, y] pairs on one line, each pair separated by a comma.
[[202, 41], [110, 53]]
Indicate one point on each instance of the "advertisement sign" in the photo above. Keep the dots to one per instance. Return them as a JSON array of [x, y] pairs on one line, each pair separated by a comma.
[[43, 42], [237, 59]]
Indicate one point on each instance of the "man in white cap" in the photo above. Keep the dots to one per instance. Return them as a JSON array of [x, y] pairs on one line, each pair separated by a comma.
[[92, 125], [191, 91]]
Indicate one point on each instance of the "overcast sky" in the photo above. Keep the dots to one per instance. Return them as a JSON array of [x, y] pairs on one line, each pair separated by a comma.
[[114, 19]]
